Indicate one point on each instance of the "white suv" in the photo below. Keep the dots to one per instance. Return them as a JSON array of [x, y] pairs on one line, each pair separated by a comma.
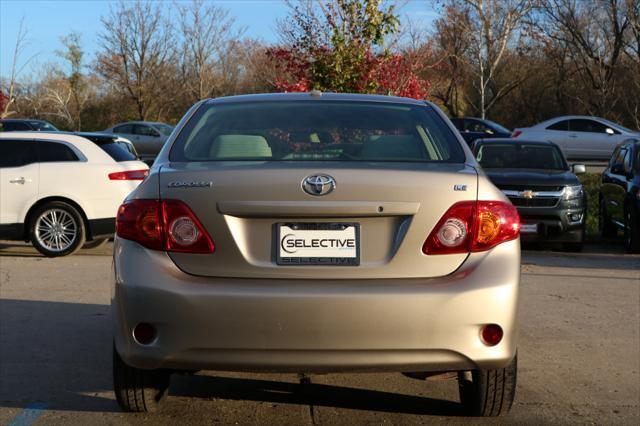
[[60, 191]]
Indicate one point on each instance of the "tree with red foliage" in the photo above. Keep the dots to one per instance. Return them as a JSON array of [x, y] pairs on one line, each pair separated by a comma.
[[339, 46], [4, 100]]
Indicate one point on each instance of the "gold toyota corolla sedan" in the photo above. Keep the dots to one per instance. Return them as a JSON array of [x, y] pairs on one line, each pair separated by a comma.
[[316, 233]]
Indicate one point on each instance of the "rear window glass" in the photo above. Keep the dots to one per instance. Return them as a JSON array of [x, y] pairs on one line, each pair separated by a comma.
[[520, 156], [13, 126], [43, 126], [117, 150], [317, 131], [165, 129], [560, 125]]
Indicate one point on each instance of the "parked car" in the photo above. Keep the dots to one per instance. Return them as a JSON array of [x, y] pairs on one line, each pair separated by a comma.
[[316, 233], [579, 137], [107, 141], [147, 137], [25, 125], [59, 190], [472, 128], [620, 195], [546, 191]]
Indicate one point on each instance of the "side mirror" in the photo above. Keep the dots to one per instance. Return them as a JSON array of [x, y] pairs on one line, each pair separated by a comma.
[[609, 131], [578, 169]]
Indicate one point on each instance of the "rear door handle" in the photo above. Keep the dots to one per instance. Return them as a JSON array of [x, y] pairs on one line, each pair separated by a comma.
[[20, 180], [573, 136]]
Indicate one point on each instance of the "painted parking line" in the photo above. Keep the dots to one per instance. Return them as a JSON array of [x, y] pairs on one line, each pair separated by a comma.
[[29, 415]]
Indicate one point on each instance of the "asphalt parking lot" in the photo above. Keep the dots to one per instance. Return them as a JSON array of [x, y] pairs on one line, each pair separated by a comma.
[[579, 355]]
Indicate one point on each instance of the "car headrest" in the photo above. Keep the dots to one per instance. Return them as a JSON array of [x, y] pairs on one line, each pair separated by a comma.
[[240, 146]]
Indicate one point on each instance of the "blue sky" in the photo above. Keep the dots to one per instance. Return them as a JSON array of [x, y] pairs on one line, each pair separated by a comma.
[[48, 20]]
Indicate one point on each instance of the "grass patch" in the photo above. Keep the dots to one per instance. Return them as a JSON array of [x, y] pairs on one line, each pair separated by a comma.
[[591, 184]]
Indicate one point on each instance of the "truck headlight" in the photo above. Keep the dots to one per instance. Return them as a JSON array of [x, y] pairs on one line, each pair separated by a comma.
[[572, 191]]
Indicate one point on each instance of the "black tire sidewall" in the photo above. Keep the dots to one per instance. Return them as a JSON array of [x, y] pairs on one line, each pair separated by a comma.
[[631, 231], [80, 238]]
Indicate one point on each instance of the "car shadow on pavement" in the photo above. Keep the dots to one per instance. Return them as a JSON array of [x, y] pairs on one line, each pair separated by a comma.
[[594, 256], [56, 354], [18, 249], [22, 249], [309, 394], [59, 355]]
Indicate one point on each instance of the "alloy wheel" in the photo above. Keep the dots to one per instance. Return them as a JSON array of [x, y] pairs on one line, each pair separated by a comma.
[[56, 230]]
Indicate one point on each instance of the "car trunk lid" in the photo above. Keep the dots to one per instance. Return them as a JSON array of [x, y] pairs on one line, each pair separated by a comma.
[[242, 204]]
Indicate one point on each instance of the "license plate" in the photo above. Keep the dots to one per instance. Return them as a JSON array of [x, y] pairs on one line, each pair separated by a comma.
[[318, 244], [529, 228]]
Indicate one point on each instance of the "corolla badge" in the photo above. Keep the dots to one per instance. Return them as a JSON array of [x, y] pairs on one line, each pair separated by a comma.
[[318, 184], [190, 184]]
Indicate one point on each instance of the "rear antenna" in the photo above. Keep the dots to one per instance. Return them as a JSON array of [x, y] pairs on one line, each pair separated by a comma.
[[315, 92]]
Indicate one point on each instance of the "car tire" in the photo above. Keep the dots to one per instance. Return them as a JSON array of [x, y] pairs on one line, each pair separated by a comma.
[[57, 229], [138, 390], [96, 243], [631, 231], [607, 229], [488, 392]]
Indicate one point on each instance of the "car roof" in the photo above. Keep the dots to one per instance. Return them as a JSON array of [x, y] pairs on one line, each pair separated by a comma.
[[314, 96], [572, 117], [30, 120], [138, 122], [513, 141], [88, 148]]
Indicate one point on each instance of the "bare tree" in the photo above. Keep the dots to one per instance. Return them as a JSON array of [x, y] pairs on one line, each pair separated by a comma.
[[594, 35], [632, 100], [208, 35], [491, 28], [452, 44], [137, 52], [16, 69], [70, 93]]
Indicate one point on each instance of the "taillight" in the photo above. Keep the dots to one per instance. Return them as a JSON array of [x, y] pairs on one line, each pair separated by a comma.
[[516, 133], [129, 175], [168, 225], [472, 226]]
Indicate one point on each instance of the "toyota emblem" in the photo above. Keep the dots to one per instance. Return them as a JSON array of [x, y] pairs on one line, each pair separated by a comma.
[[318, 184]]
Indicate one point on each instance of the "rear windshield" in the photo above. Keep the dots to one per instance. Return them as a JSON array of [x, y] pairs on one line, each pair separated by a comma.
[[317, 131], [165, 129], [117, 150], [520, 156], [43, 126]]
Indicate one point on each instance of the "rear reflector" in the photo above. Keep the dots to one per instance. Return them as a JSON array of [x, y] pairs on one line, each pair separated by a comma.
[[491, 334], [472, 226], [129, 175], [167, 225]]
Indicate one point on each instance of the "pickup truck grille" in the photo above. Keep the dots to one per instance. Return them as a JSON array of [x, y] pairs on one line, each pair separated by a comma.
[[533, 202], [533, 196]]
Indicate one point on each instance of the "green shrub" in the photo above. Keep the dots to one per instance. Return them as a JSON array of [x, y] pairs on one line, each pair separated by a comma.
[[591, 183]]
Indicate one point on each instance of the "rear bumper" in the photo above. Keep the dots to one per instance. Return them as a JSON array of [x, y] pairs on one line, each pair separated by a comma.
[[317, 325], [553, 225]]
